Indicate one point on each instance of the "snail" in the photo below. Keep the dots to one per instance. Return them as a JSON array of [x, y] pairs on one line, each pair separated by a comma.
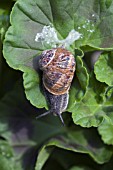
[[58, 66]]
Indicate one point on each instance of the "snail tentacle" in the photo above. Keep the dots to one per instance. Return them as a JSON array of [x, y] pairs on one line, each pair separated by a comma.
[[44, 114]]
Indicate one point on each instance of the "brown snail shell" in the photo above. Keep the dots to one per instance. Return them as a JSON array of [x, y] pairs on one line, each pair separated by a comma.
[[58, 66]]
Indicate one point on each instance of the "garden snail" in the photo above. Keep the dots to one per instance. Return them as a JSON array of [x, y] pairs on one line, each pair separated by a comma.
[[58, 66]]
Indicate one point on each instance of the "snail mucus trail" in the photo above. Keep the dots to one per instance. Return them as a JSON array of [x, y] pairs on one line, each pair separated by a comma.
[[58, 66]]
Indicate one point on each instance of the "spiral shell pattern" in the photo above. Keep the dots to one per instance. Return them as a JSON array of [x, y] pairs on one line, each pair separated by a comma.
[[58, 66]]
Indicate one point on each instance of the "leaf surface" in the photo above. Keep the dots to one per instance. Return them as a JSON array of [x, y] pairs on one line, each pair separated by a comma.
[[91, 18], [104, 68]]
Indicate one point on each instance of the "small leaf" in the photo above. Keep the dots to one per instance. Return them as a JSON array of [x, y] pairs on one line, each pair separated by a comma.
[[104, 68], [42, 157], [94, 107], [5, 149], [106, 131], [4, 17], [6, 156]]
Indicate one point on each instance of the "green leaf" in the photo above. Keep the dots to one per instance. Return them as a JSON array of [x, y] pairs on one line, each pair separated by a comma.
[[104, 68], [77, 140], [42, 157], [5, 149], [6, 156], [82, 74], [80, 168], [94, 107], [3, 22], [106, 131], [91, 18], [24, 133], [14, 111], [108, 165], [5, 164], [33, 90], [80, 83], [8, 164], [18, 125], [5, 7]]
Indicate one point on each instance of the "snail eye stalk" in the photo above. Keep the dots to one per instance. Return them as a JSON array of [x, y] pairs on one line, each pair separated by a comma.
[[59, 115]]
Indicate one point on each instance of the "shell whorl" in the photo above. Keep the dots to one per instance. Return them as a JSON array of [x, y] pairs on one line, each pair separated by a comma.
[[58, 66]]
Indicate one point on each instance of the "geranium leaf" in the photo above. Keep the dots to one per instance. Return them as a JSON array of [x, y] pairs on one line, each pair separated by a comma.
[[20, 48], [106, 131], [94, 107], [79, 141], [104, 68], [7, 157]]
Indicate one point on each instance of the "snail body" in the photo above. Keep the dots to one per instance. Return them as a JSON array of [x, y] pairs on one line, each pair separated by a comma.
[[58, 66]]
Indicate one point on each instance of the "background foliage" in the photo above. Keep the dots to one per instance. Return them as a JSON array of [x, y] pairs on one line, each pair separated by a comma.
[[85, 143]]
